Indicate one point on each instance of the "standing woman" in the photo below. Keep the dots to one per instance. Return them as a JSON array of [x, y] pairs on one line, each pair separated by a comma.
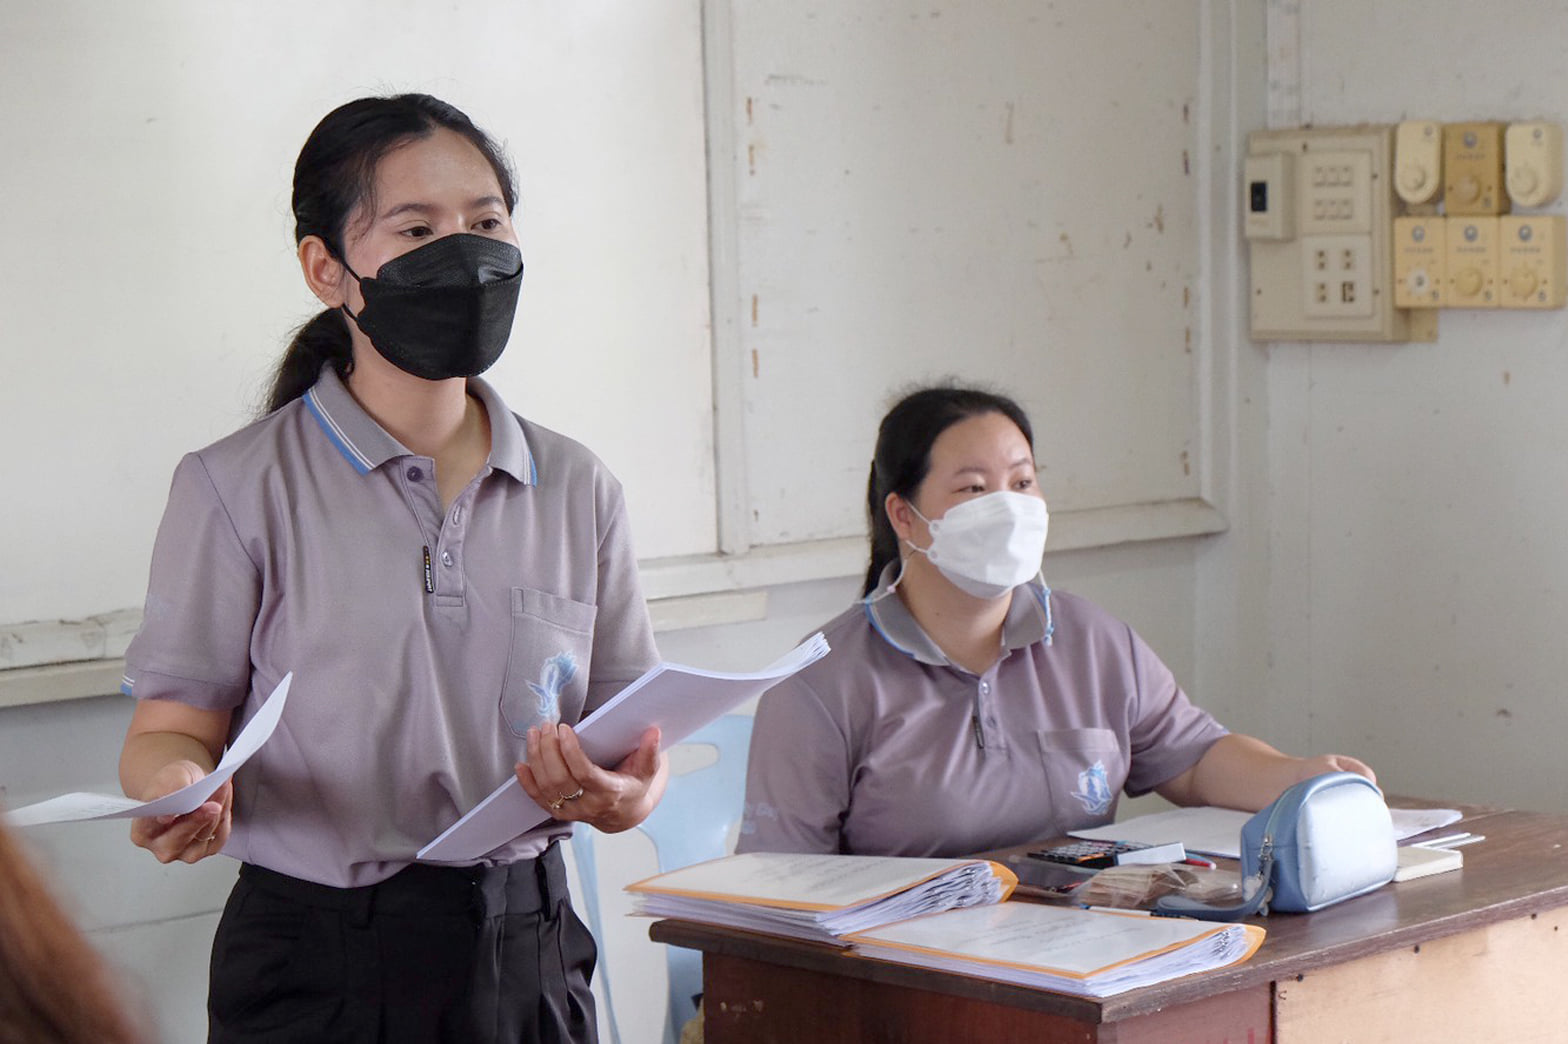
[[452, 586], [965, 705]]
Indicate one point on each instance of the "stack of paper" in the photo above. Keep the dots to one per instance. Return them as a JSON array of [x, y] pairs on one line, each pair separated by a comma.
[[1088, 952], [819, 897], [678, 699]]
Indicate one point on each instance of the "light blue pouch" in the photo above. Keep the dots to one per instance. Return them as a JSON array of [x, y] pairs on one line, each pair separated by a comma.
[[1322, 841]]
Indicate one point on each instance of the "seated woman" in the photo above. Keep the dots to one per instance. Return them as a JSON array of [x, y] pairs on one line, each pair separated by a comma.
[[965, 705]]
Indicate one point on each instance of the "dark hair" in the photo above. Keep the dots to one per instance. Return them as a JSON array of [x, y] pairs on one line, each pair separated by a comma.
[[53, 984], [336, 173], [903, 454]]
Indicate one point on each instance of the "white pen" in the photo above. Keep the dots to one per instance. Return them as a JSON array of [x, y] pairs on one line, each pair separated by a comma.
[[1452, 841]]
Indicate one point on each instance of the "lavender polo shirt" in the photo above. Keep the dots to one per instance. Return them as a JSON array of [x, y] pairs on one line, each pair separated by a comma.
[[885, 747], [298, 544]]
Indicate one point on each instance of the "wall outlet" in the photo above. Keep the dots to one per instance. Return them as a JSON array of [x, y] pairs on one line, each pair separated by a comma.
[[1418, 160], [1534, 158], [1420, 262], [1472, 262], [1336, 277], [1530, 261], [1473, 169], [1333, 281]]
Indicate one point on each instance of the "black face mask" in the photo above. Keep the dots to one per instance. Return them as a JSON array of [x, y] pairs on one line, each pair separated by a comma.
[[443, 309]]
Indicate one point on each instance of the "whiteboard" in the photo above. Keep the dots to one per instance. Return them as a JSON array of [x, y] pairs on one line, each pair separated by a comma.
[[1002, 192], [1007, 193], [148, 280]]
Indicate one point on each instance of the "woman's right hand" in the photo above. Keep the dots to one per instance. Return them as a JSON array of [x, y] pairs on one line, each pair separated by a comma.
[[195, 835]]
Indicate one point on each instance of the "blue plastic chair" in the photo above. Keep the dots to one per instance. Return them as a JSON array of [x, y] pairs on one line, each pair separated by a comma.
[[691, 823]]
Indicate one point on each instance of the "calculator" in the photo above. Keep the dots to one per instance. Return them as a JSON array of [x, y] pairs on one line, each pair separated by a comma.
[[1088, 855]]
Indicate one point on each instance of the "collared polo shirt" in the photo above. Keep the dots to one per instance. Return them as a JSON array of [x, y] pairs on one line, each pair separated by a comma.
[[423, 643], [886, 747]]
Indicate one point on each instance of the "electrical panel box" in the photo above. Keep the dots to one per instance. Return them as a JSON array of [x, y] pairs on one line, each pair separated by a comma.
[[1329, 278], [1534, 158], [1530, 252], [1418, 160], [1420, 262], [1473, 169], [1472, 262]]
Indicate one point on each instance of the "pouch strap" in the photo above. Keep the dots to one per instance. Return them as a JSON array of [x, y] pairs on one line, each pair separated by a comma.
[[1255, 891]]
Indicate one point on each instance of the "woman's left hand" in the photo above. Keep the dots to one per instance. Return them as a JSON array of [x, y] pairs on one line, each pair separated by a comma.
[[562, 781], [1307, 768]]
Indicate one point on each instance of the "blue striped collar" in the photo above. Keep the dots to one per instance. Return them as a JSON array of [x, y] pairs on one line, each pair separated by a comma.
[[366, 445], [1028, 620]]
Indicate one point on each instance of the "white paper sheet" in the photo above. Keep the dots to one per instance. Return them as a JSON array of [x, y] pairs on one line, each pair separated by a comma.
[[79, 806], [678, 699], [1217, 831]]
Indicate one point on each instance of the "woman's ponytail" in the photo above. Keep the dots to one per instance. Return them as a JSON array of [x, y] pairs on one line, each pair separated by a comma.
[[321, 342]]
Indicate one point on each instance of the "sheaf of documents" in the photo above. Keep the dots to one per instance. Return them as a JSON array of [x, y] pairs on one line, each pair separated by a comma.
[[79, 806], [816, 896], [1091, 953], [678, 699]]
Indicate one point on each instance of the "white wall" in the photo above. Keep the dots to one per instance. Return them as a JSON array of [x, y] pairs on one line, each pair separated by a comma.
[[1417, 576]]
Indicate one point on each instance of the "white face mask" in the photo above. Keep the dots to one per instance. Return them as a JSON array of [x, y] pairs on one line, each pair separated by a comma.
[[989, 545]]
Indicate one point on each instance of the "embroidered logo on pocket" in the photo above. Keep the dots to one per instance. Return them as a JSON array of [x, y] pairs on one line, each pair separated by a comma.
[[1094, 791], [557, 671]]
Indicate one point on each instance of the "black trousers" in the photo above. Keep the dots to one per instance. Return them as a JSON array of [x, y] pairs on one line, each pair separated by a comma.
[[477, 955]]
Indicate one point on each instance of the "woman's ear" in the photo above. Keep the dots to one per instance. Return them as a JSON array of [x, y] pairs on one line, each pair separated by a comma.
[[899, 516], [324, 273]]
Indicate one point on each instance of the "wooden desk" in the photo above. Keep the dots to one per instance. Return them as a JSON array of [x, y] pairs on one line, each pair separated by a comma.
[[1478, 954]]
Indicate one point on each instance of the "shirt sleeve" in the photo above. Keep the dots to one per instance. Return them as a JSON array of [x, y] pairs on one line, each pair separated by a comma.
[[797, 776], [1169, 733], [203, 596], [623, 645]]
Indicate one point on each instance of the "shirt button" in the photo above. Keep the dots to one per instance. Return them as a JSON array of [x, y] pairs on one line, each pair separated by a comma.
[[415, 474], [457, 514], [985, 687], [446, 558]]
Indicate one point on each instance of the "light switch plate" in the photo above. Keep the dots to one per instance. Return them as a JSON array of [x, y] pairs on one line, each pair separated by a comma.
[[1534, 159], [1472, 261], [1418, 160], [1530, 266]]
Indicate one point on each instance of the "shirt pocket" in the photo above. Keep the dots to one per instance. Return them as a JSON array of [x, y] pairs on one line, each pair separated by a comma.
[[547, 663], [1084, 772]]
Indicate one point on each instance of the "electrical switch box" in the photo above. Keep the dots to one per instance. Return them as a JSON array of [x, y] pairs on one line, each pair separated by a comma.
[[1534, 160], [1270, 196], [1420, 262], [1418, 160], [1530, 251], [1473, 169], [1472, 262], [1324, 272]]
